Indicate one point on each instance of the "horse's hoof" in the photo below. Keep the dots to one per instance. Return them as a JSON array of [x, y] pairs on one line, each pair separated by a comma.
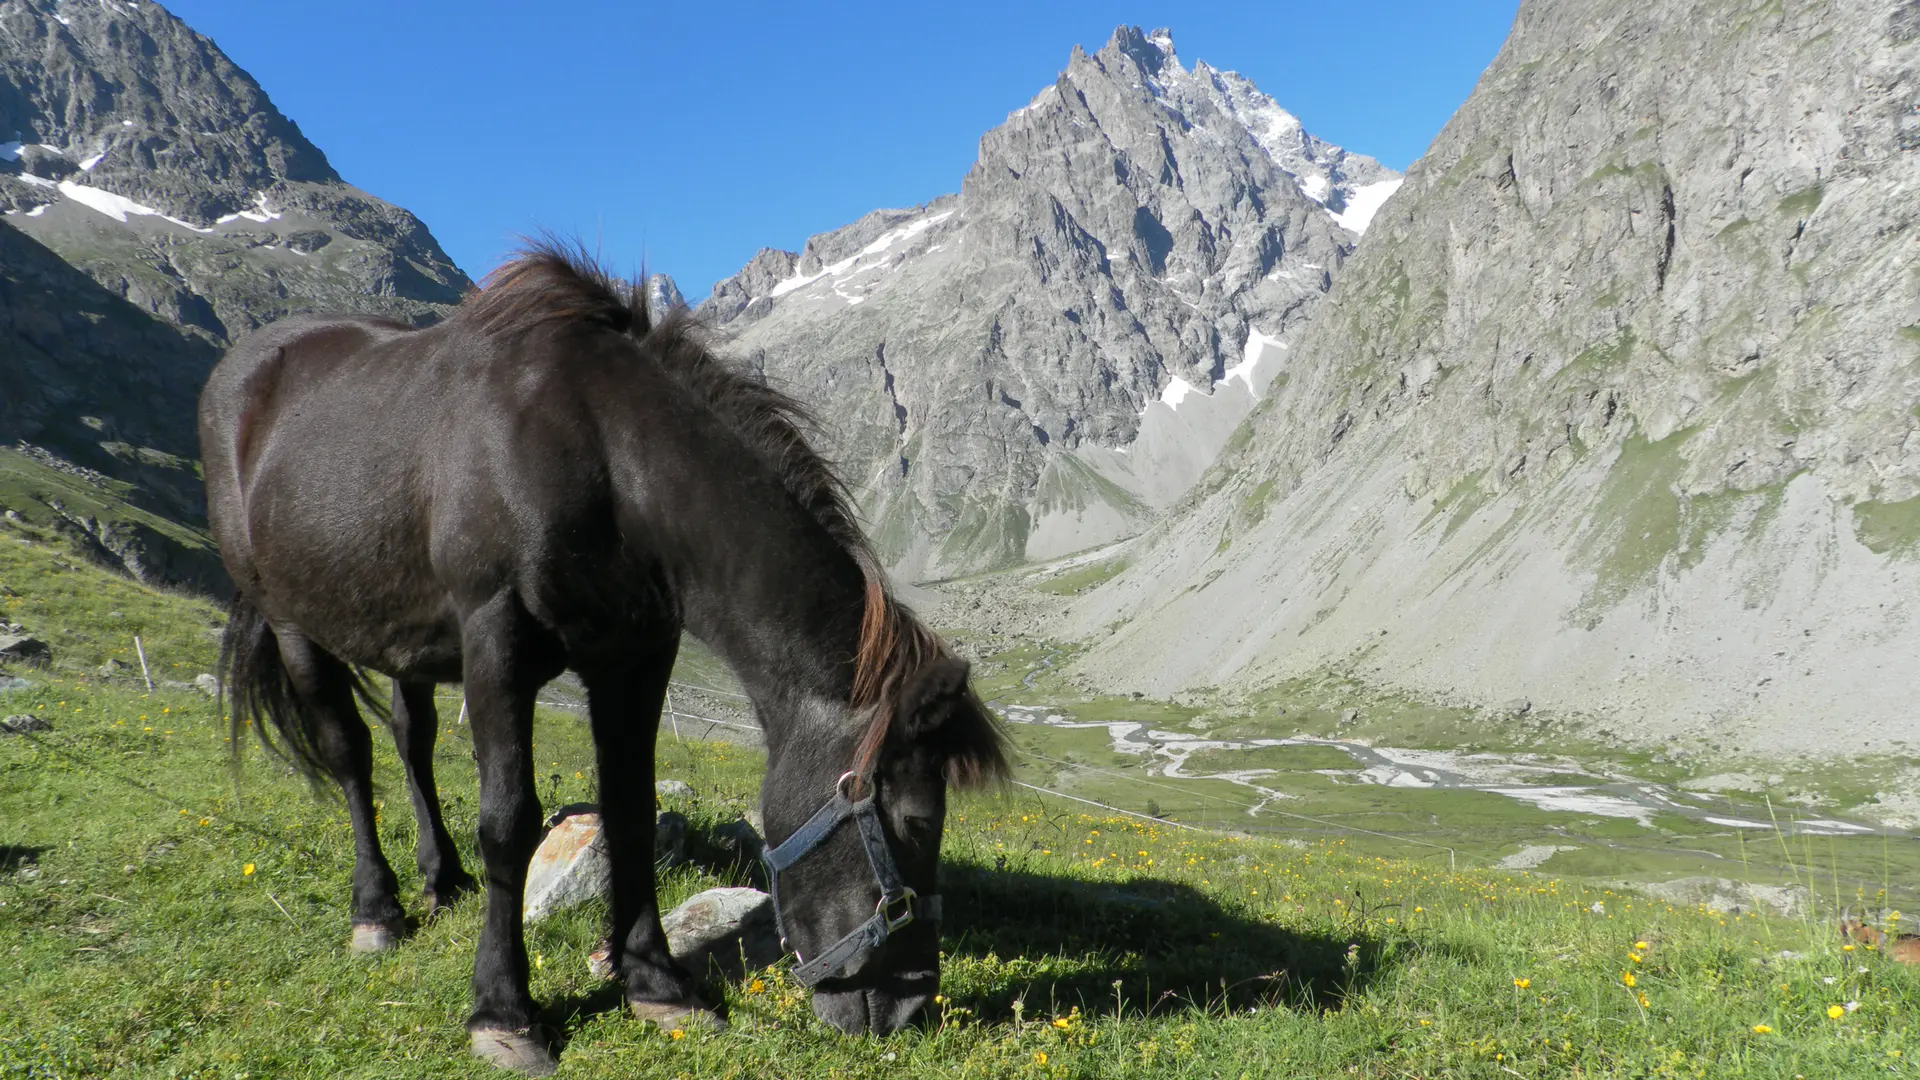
[[376, 937], [675, 1015], [516, 1050], [449, 894]]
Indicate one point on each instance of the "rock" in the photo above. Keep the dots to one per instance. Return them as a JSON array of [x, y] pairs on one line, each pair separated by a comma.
[[672, 789], [1730, 897], [22, 723], [21, 649], [569, 867], [741, 839], [207, 684], [721, 927], [110, 669], [670, 840], [1517, 708], [8, 682]]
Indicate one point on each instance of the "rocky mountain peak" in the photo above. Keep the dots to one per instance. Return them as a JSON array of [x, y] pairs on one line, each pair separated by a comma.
[[1043, 360]]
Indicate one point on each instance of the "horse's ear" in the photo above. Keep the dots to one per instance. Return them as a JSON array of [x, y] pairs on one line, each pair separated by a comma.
[[938, 709], [922, 707]]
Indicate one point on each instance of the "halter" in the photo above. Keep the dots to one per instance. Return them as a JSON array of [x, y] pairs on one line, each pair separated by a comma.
[[898, 906]]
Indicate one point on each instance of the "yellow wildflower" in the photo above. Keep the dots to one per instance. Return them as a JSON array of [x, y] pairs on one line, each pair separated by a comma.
[[1062, 1023], [756, 987], [676, 1033], [1523, 983], [247, 870], [1039, 1057], [1762, 1029], [1627, 977], [1835, 1012]]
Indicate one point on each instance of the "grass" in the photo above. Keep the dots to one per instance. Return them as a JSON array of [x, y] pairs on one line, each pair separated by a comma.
[[159, 920]]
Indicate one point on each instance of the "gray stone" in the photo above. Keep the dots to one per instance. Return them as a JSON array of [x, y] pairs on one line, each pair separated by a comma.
[[11, 682], [569, 868], [1723, 895], [207, 684], [722, 928], [672, 789], [670, 839], [21, 724], [110, 669], [740, 839], [21, 649]]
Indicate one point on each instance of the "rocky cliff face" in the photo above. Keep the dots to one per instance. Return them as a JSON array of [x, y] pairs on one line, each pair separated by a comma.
[[1039, 363], [1618, 408], [156, 206]]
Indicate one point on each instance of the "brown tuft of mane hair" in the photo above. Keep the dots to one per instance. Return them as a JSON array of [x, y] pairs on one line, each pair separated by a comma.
[[554, 280]]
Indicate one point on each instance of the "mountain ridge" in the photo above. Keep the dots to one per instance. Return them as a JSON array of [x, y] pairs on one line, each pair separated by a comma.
[[1613, 413]]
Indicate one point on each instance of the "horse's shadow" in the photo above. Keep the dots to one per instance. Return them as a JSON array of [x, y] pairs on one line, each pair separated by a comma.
[[1144, 946]]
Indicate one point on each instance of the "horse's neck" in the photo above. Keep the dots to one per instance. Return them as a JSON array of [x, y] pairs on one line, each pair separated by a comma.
[[780, 602]]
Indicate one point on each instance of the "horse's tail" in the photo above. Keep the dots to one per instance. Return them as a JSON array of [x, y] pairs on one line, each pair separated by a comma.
[[255, 678]]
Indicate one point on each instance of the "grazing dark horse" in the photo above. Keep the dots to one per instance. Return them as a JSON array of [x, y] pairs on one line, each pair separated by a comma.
[[547, 480]]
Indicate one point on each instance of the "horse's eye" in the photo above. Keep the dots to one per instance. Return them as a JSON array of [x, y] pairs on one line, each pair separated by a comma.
[[920, 828]]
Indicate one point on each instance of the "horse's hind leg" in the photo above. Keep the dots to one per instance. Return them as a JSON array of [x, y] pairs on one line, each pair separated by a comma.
[[415, 724], [344, 746], [624, 702]]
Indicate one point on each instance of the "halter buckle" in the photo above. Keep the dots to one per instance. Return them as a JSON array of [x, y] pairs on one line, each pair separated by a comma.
[[897, 910]]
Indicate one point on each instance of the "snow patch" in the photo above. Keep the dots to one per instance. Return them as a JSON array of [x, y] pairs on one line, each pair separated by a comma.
[[88, 164], [260, 214], [1736, 823], [1364, 203], [1039, 100], [38, 210], [1315, 188], [1176, 392], [852, 263], [1579, 800], [117, 207], [1257, 345], [36, 181]]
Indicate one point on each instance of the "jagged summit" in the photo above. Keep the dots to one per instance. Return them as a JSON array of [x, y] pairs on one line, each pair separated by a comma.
[[1351, 186], [1046, 359]]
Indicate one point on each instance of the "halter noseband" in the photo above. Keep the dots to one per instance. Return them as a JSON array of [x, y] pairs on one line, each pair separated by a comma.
[[898, 906]]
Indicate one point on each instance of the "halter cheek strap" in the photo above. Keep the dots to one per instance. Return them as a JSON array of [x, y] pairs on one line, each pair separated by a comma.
[[898, 906]]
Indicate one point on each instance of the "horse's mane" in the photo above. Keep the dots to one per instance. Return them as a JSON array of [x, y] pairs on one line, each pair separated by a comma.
[[553, 281]]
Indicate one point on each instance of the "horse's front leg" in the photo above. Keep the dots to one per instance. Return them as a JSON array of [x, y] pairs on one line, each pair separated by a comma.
[[508, 659], [624, 702], [415, 725]]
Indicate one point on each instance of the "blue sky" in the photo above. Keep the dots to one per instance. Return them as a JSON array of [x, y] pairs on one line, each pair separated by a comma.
[[690, 136]]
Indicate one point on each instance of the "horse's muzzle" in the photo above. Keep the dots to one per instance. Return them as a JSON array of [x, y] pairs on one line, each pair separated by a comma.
[[881, 1011]]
